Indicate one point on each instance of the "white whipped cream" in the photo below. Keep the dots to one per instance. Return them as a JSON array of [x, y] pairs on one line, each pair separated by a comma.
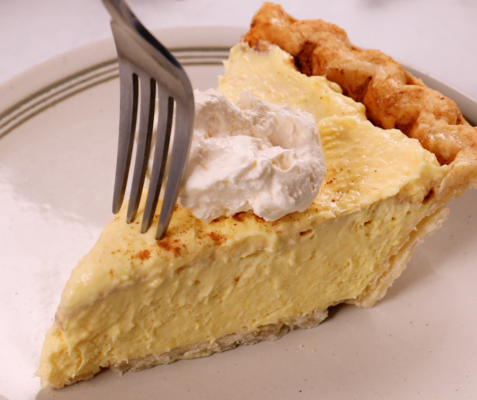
[[251, 155]]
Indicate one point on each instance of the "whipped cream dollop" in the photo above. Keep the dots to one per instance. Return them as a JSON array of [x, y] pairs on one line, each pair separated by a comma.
[[251, 155]]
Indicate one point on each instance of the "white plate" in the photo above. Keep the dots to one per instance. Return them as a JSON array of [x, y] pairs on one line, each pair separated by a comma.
[[58, 129]]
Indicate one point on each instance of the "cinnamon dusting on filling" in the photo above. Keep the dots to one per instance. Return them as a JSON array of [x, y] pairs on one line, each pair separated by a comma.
[[143, 255], [166, 245], [217, 237]]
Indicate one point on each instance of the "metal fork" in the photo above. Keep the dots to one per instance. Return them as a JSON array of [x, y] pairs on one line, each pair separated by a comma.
[[145, 66]]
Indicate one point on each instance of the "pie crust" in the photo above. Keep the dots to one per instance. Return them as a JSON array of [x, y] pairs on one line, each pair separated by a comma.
[[392, 96]]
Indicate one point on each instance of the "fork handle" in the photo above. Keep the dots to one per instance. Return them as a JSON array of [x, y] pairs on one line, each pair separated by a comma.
[[118, 10]]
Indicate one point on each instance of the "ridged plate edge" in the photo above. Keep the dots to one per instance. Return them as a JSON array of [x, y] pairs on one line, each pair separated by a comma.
[[35, 90]]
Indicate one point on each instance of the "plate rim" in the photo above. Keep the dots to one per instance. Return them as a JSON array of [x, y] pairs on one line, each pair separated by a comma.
[[64, 67], [18, 91]]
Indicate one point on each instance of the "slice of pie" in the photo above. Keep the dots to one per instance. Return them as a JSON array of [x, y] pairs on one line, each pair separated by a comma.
[[134, 302]]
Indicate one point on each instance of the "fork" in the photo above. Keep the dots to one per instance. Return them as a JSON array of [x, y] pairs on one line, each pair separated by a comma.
[[146, 66]]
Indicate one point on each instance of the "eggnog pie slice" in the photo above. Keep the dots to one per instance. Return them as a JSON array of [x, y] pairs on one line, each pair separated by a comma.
[[134, 302]]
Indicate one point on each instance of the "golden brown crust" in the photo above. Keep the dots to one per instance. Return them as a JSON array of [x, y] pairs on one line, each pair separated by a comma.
[[393, 97]]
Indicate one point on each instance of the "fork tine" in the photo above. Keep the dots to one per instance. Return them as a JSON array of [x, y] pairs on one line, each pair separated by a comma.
[[137, 45], [180, 149], [146, 120], [127, 125], [166, 110]]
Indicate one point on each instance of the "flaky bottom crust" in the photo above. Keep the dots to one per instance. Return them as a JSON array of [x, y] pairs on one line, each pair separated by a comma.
[[203, 349]]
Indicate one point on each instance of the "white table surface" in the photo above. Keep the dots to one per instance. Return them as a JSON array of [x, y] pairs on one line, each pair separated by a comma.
[[437, 36]]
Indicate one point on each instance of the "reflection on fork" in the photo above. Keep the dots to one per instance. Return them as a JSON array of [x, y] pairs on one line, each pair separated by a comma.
[[146, 66]]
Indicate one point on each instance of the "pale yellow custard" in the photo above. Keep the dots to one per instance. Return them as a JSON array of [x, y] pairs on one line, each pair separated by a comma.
[[136, 302]]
